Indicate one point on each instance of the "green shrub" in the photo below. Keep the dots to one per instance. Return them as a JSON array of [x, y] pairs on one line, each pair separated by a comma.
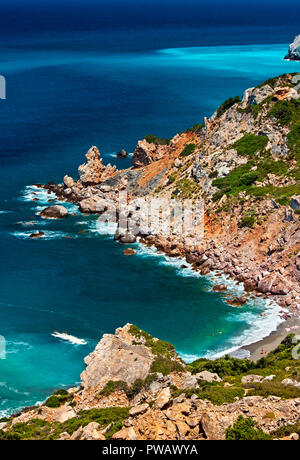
[[35, 429], [244, 430], [247, 221], [158, 347], [113, 386], [213, 174], [196, 129], [227, 104], [165, 366], [188, 150], [285, 111], [59, 397], [152, 139], [221, 366], [250, 144], [286, 430]]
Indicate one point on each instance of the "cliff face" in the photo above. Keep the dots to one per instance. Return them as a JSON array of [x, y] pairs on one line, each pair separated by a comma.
[[244, 163], [294, 50], [135, 387]]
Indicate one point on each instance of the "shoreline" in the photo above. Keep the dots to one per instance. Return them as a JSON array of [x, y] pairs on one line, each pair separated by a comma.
[[272, 341]]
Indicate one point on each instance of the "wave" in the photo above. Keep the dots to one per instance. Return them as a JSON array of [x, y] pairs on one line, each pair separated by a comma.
[[42, 197], [13, 390], [259, 326], [48, 235]]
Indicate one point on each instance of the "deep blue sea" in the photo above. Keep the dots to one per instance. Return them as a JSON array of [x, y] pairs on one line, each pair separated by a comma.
[[77, 78]]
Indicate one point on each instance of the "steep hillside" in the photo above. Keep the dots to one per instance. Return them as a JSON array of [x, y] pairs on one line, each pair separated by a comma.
[[244, 163], [135, 387]]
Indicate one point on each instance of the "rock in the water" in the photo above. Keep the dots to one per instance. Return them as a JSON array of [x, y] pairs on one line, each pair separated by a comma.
[[129, 252], [37, 235], [93, 205], [54, 212], [122, 154], [294, 50], [220, 287]]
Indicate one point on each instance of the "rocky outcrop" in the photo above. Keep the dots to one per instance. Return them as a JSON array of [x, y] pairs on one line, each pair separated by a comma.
[[117, 357], [93, 171], [294, 50], [54, 212], [145, 153]]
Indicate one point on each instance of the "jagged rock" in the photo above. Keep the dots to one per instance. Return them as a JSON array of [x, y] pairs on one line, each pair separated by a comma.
[[294, 50], [138, 410], [295, 202], [68, 181], [253, 96], [54, 212], [122, 154], [251, 378], [116, 357], [163, 399], [208, 376], [145, 153], [64, 436], [91, 171], [275, 284]]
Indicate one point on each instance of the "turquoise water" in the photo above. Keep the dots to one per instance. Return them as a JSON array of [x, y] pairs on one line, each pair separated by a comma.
[[64, 94]]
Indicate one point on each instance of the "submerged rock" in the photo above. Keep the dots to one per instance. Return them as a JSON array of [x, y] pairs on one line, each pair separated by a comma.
[[122, 154], [37, 235]]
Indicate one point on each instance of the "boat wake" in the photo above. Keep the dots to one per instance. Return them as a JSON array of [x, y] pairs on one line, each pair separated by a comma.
[[69, 338]]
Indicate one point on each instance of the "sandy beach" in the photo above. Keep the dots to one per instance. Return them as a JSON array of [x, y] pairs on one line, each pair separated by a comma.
[[273, 340]]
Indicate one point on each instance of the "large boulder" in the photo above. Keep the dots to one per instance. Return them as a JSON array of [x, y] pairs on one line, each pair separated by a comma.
[[54, 212], [93, 205], [294, 50], [274, 284], [117, 357]]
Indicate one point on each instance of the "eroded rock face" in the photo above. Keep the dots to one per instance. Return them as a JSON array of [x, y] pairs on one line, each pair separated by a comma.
[[90, 172], [117, 358], [294, 50], [145, 153]]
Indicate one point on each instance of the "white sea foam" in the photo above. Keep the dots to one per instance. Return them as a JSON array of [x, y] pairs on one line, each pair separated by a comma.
[[48, 235], [259, 326], [102, 228], [69, 338], [42, 197]]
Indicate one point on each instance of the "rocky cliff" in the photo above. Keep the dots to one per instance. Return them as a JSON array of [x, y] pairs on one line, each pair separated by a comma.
[[294, 50], [135, 387], [244, 163]]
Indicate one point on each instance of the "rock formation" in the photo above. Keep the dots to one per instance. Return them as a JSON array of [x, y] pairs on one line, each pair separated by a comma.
[[135, 387], [294, 50]]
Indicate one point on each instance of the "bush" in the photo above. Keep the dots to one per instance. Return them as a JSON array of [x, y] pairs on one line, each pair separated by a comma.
[[250, 144], [247, 221], [59, 397], [227, 104], [152, 139], [35, 429], [113, 386], [244, 430], [221, 366], [196, 129], [285, 111], [158, 347], [165, 366], [188, 150]]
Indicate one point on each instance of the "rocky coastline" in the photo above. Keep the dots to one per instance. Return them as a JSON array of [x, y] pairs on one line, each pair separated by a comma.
[[135, 387], [242, 163]]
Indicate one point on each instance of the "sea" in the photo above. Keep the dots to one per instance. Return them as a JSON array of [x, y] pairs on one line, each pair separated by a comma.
[[107, 74]]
